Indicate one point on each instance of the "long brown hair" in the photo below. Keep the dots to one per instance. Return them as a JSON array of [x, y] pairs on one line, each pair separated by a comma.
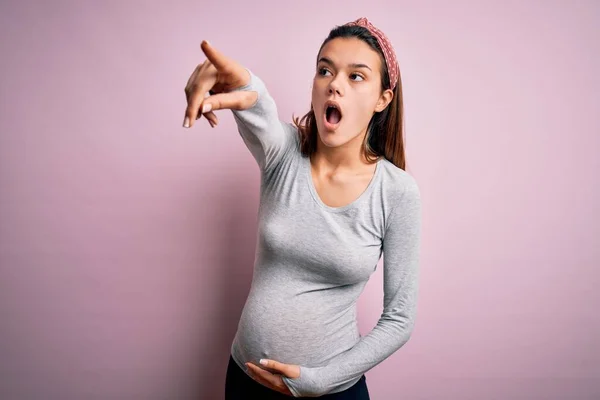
[[385, 133]]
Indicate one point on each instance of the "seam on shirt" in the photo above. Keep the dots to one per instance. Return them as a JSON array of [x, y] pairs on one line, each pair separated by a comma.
[[392, 213]]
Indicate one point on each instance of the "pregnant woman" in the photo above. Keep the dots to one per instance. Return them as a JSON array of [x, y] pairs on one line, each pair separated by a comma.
[[334, 198]]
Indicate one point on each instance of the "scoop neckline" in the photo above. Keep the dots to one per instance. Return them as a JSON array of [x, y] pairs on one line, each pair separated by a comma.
[[353, 203]]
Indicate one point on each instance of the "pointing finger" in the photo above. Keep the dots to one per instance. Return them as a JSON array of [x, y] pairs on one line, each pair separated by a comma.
[[218, 59]]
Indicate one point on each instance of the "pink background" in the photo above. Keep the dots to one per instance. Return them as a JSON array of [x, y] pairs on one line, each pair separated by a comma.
[[127, 241]]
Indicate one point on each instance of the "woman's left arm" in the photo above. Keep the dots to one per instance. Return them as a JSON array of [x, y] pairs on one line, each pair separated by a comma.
[[401, 248]]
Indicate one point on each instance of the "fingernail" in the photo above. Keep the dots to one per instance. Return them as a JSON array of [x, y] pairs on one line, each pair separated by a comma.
[[186, 122], [263, 362], [206, 108]]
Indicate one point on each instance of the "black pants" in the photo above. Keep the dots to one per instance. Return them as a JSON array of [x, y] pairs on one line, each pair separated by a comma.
[[239, 386]]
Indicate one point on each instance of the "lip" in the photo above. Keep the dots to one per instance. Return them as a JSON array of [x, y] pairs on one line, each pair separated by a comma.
[[329, 126]]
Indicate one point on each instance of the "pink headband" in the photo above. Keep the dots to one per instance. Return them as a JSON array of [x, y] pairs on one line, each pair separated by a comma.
[[386, 46]]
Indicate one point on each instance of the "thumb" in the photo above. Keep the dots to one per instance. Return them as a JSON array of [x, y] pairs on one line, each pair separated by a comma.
[[237, 100], [218, 59]]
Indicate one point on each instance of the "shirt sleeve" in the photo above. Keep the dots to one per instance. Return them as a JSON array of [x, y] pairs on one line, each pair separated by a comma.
[[265, 135], [401, 245]]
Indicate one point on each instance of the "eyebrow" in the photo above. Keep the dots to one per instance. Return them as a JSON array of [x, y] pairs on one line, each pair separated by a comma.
[[354, 65]]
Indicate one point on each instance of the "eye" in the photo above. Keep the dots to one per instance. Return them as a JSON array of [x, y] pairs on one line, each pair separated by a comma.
[[360, 76], [322, 70]]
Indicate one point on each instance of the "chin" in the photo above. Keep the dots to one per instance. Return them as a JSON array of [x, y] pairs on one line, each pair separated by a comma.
[[332, 139]]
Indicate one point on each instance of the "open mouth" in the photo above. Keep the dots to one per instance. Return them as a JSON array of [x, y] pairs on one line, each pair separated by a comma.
[[333, 113]]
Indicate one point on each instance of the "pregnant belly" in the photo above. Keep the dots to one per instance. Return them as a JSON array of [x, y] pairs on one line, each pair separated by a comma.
[[293, 333]]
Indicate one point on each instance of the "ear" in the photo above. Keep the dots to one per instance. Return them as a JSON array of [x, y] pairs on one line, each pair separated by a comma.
[[385, 99]]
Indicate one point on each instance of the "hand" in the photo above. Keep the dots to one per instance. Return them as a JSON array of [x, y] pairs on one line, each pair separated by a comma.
[[216, 76], [270, 374]]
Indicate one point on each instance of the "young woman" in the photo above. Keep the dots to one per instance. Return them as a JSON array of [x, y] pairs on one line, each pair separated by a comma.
[[334, 196]]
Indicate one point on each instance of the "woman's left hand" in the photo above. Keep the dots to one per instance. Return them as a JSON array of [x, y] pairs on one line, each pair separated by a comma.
[[269, 374]]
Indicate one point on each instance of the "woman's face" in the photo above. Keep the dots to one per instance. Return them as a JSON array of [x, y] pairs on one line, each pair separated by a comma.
[[348, 74]]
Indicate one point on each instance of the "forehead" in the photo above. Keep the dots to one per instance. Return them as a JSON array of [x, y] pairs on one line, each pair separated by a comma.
[[350, 50]]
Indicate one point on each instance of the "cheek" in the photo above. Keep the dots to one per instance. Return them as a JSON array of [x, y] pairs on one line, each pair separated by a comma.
[[362, 110], [317, 92]]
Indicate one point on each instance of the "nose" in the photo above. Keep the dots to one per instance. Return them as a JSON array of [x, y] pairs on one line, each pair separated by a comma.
[[334, 87]]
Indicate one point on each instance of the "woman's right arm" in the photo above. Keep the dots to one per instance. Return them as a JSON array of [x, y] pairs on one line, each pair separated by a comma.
[[265, 135], [235, 87]]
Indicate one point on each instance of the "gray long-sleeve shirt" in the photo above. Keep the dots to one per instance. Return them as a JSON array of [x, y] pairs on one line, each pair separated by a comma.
[[313, 261]]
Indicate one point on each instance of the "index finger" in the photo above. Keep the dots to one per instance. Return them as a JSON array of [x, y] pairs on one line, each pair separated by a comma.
[[276, 365], [218, 59]]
